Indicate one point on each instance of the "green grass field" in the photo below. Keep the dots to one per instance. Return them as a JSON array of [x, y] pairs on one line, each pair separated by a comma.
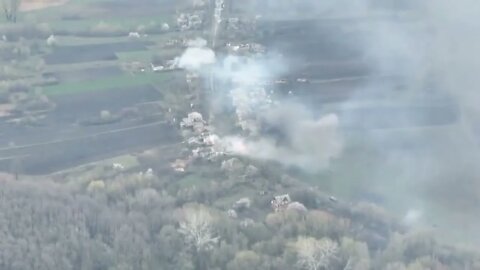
[[74, 40], [90, 13], [106, 83], [140, 56], [124, 24]]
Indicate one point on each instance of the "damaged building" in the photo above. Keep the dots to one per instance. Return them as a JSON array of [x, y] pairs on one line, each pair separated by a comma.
[[245, 49], [190, 21], [202, 143]]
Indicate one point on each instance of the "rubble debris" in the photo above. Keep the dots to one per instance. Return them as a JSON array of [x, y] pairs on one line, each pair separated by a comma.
[[134, 67], [233, 24], [149, 173], [248, 101], [134, 35], [194, 121], [192, 77], [245, 49], [199, 127], [172, 64], [118, 166], [191, 119], [281, 81], [232, 213], [187, 21], [211, 139], [247, 222], [207, 153], [165, 66], [217, 12], [52, 40], [280, 202], [165, 27], [302, 80], [262, 193], [194, 141], [238, 27], [242, 204], [197, 42], [179, 165], [174, 43], [156, 68], [198, 136], [232, 165]]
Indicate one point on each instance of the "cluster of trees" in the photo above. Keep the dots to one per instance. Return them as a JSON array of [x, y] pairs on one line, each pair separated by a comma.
[[10, 9], [141, 221]]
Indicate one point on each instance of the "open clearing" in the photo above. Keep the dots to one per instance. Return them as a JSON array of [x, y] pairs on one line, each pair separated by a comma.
[[91, 52], [86, 74], [106, 83], [59, 155], [81, 105]]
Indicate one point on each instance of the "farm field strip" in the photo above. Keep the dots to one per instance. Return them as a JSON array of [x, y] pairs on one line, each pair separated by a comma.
[[123, 25], [104, 133], [107, 83], [85, 74], [87, 67]]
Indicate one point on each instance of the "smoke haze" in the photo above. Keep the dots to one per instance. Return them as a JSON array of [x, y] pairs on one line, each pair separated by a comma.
[[428, 52], [196, 57]]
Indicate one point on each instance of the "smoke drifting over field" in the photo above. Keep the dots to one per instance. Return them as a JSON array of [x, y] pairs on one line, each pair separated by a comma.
[[430, 48], [309, 142], [196, 57]]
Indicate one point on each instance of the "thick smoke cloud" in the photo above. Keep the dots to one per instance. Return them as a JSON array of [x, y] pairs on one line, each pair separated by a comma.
[[196, 57], [430, 49], [309, 143], [455, 45], [197, 43]]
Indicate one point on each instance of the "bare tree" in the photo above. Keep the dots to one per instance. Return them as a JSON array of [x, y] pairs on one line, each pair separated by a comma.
[[314, 254], [16, 167], [197, 227], [10, 9]]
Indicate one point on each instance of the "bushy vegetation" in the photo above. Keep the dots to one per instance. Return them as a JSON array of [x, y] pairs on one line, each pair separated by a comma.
[[110, 219], [26, 31]]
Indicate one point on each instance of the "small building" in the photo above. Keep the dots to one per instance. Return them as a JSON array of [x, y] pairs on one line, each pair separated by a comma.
[[179, 165], [134, 35], [280, 202]]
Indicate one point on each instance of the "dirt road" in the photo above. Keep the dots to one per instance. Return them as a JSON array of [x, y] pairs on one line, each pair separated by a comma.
[[29, 5]]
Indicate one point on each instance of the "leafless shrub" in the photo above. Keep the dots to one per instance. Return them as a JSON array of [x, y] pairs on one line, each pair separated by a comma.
[[196, 225], [314, 254]]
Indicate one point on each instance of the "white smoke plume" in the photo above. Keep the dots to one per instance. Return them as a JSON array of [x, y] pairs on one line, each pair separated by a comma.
[[310, 143], [195, 58], [197, 43], [431, 48]]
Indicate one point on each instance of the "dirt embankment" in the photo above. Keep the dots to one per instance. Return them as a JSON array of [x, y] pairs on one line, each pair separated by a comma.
[[28, 5]]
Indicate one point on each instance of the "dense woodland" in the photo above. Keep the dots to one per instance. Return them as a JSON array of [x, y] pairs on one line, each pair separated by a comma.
[[134, 220]]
